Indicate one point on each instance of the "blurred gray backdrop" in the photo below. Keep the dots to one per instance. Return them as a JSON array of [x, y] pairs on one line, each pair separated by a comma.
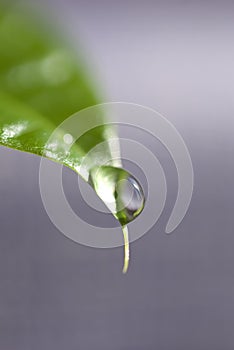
[[176, 57]]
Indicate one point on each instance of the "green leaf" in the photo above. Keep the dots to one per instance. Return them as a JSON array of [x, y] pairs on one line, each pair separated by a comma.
[[43, 82]]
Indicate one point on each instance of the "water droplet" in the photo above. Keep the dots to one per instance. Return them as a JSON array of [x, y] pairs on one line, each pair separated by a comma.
[[129, 199], [119, 190], [68, 139], [122, 194]]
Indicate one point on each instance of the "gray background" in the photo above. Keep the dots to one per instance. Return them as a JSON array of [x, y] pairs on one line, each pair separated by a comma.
[[177, 57]]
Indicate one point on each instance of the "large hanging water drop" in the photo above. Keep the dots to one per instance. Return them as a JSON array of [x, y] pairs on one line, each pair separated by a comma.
[[122, 194]]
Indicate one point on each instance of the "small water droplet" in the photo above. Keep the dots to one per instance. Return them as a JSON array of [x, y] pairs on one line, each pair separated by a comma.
[[68, 139]]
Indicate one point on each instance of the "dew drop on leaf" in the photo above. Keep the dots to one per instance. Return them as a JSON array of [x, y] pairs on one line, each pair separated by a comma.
[[122, 194]]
